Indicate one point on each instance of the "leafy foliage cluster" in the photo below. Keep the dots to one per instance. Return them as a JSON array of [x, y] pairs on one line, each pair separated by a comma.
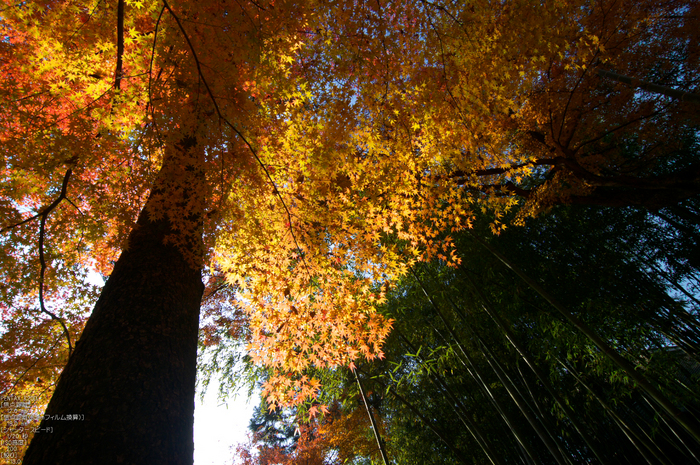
[[479, 368]]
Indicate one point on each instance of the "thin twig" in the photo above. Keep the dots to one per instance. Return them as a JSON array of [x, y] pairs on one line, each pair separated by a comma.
[[7, 228], [14, 385], [260, 7]]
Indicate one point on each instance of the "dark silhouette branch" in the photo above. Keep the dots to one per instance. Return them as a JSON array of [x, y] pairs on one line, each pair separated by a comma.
[[43, 215], [12, 226], [651, 192], [42, 225], [681, 95], [120, 44], [150, 63], [17, 381], [496, 171]]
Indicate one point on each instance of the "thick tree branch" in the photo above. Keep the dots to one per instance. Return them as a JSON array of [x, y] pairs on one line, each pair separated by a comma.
[[120, 44], [43, 215], [652, 192], [459, 174], [649, 87], [42, 225], [652, 199]]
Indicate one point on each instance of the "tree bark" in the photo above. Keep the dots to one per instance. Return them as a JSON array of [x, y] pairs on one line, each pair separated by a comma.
[[132, 375]]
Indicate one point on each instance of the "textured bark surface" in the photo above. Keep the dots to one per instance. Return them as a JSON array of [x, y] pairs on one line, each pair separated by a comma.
[[133, 371]]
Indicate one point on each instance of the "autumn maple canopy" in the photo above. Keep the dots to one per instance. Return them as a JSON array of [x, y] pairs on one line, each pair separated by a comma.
[[331, 145]]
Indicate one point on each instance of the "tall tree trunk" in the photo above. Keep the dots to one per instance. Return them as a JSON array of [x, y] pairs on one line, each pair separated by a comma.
[[131, 378]]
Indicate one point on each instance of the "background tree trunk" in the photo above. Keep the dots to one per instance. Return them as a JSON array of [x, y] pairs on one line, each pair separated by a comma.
[[132, 375]]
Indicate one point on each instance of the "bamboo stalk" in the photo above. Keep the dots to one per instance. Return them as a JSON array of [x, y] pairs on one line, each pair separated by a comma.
[[510, 337], [380, 443], [604, 347], [546, 439]]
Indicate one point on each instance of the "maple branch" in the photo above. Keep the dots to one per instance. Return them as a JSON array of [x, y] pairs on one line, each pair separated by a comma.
[[246, 13], [75, 206], [258, 5], [649, 87], [444, 74], [30, 367], [568, 102], [607, 196], [444, 10], [120, 44], [36, 94], [12, 226], [495, 171], [50, 207], [150, 78], [620, 127], [150, 64], [78, 110], [386, 61], [238, 133], [44, 215], [651, 191]]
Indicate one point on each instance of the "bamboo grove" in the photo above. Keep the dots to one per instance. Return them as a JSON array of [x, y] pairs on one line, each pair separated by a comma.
[[311, 160], [481, 368]]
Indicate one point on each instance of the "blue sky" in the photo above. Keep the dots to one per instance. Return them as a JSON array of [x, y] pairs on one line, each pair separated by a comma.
[[219, 427]]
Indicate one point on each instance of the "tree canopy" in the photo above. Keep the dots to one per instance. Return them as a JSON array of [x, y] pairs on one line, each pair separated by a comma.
[[479, 368], [318, 148]]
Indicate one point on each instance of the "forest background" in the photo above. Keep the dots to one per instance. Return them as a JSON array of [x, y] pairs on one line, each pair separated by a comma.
[[303, 157]]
